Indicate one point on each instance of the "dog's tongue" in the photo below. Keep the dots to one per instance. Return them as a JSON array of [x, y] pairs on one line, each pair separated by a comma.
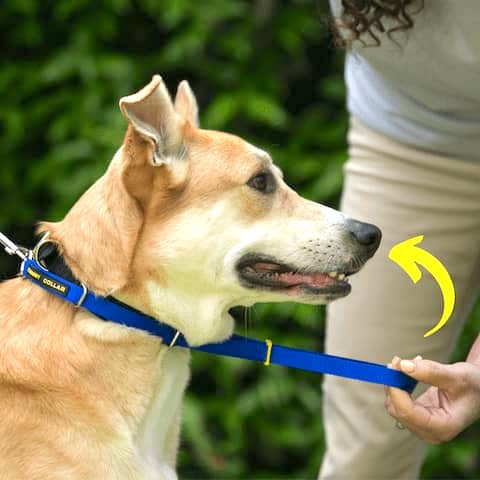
[[292, 279], [314, 280]]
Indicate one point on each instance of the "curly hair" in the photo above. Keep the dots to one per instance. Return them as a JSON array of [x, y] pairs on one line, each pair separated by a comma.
[[361, 17]]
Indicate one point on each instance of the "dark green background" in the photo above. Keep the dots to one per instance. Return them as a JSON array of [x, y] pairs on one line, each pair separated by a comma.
[[266, 70]]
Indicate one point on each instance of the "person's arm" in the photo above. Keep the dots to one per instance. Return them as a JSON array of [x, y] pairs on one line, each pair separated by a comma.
[[451, 404], [474, 355]]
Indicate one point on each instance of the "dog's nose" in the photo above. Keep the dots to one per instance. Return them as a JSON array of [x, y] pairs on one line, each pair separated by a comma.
[[365, 234]]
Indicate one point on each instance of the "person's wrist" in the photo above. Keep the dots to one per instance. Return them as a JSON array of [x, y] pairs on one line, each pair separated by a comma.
[[471, 379], [473, 375]]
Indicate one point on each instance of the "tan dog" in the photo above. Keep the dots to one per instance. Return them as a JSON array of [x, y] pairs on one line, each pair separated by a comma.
[[185, 224]]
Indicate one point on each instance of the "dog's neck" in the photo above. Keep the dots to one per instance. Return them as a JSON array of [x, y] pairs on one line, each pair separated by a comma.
[[202, 317]]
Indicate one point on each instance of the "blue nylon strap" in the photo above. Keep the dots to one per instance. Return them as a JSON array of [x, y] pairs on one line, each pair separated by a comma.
[[236, 346]]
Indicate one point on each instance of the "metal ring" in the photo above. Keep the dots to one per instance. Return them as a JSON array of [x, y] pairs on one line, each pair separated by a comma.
[[36, 249]]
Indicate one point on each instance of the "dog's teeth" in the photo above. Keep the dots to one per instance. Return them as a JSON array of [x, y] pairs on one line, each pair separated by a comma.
[[332, 274], [341, 276]]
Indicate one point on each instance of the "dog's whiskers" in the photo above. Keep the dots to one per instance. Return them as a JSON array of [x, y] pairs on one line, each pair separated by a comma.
[[329, 264]]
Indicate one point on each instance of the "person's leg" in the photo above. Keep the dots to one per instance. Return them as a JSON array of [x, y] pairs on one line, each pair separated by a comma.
[[406, 193]]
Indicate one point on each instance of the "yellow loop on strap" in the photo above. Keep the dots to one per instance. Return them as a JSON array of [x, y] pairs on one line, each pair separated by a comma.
[[269, 351]]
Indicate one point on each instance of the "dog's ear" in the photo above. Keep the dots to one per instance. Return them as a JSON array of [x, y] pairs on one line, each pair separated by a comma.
[[99, 234], [186, 103], [151, 113]]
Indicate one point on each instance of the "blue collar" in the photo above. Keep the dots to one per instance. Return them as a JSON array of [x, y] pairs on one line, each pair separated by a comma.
[[236, 346]]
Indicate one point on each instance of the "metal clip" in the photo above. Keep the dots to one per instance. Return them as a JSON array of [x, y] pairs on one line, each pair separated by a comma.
[[12, 248], [83, 296], [174, 340]]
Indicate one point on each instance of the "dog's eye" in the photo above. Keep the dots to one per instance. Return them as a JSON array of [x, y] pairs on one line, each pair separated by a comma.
[[263, 182]]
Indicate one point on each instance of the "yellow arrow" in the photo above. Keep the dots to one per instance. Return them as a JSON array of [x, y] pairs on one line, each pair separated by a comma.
[[407, 255]]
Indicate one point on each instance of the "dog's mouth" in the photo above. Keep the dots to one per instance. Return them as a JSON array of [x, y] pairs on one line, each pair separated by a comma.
[[264, 273]]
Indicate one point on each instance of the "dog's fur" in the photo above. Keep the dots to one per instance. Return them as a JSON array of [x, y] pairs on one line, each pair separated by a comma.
[[163, 231]]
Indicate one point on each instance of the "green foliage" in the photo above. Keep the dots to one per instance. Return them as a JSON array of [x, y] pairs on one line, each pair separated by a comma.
[[264, 70]]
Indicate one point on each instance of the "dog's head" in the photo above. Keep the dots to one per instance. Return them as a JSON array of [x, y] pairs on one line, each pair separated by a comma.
[[187, 223]]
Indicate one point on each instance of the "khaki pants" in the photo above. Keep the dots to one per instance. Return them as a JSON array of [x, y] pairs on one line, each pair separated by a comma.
[[406, 193]]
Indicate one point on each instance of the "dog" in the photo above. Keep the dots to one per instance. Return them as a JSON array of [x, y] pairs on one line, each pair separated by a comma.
[[185, 224]]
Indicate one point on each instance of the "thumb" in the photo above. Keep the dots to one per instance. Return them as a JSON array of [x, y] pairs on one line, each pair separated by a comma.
[[430, 372]]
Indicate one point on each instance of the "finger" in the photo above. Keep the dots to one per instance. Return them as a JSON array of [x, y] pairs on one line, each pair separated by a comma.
[[395, 365], [385, 388], [428, 371], [400, 402], [396, 362], [387, 401], [429, 424], [389, 406], [413, 416]]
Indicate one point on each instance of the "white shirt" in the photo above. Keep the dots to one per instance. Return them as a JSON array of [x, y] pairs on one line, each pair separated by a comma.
[[424, 90]]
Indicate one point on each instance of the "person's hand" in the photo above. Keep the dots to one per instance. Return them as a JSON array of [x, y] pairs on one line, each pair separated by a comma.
[[450, 405]]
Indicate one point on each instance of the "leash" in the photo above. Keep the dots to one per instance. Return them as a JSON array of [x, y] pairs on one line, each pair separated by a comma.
[[236, 346]]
